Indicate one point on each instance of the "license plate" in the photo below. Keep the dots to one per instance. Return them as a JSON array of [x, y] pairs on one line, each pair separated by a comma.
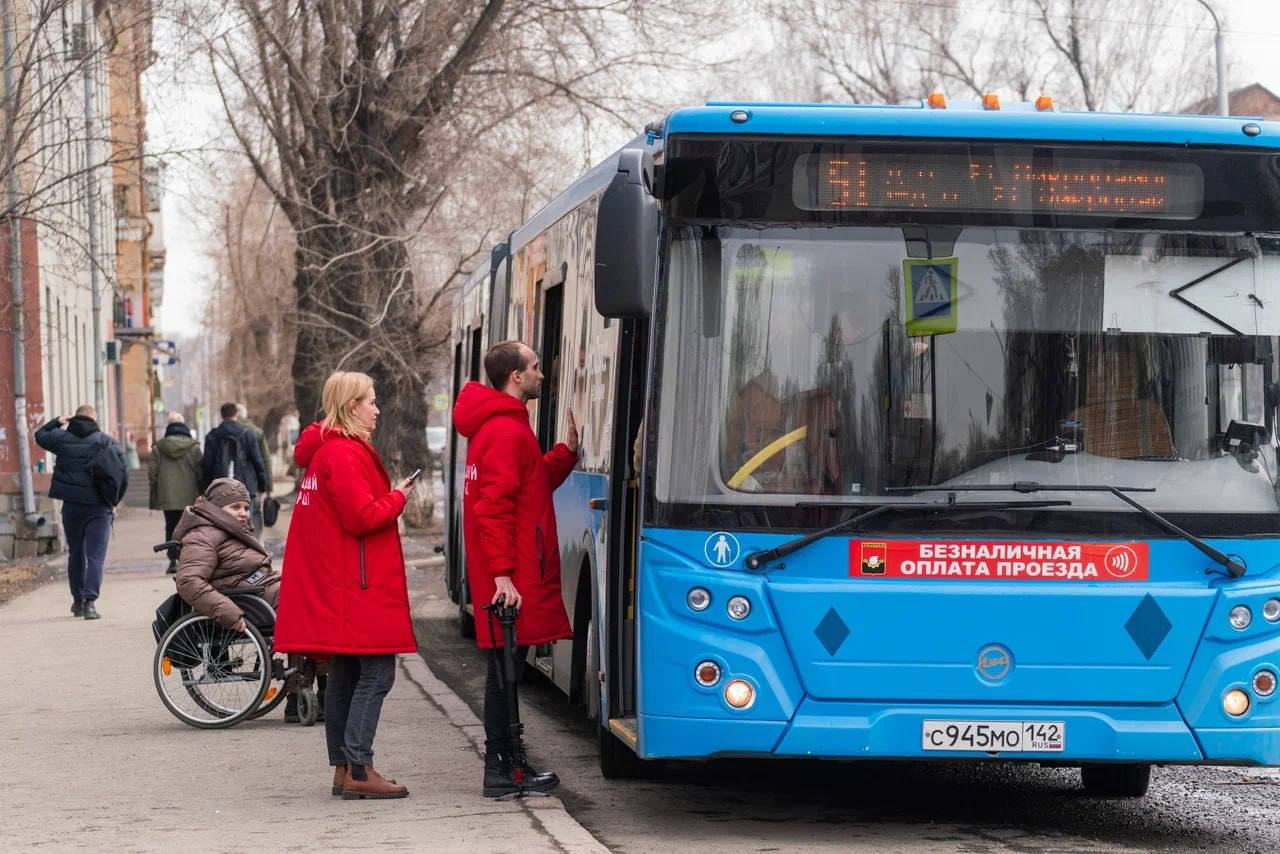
[[995, 736]]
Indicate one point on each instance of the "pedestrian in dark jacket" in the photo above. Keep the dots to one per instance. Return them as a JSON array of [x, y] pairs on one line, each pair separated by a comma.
[[86, 515], [509, 527], [174, 474], [264, 450], [231, 450], [344, 595]]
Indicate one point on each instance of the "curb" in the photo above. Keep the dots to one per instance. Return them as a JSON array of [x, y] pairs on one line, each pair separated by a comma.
[[548, 812]]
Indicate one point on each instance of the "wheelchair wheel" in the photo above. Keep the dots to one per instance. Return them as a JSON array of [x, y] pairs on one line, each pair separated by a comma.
[[308, 707], [210, 677]]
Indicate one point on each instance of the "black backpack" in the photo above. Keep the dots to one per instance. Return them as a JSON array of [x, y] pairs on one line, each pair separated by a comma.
[[233, 461], [106, 468]]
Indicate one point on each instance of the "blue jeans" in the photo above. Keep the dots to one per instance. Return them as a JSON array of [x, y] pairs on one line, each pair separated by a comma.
[[353, 704], [87, 528]]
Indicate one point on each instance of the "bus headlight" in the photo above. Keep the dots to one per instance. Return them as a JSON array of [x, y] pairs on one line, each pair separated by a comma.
[[738, 607], [698, 598], [1235, 702], [1240, 617], [1271, 610], [740, 695]]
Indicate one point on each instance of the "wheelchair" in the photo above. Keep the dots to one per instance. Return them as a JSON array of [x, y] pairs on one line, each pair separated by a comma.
[[211, 677]]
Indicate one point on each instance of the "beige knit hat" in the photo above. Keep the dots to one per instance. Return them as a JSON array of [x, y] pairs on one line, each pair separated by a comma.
[[226, 490]]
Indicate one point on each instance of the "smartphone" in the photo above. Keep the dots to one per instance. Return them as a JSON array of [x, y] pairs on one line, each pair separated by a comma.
[[415, 474]]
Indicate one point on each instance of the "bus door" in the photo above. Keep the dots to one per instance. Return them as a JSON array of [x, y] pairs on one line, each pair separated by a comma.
[[550, 304], [471, 346], [624, 526]]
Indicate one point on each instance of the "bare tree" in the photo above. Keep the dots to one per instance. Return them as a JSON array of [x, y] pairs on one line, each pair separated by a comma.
[[363, 119], [251, 311], [1089, 54]]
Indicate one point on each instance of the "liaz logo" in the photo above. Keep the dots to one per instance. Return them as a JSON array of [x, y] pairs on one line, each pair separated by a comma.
[[874, 558], [994, 662]]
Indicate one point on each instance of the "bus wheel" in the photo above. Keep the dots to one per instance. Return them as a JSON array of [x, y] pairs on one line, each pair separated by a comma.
[[1116, 781], [466, 624], [618, 761]]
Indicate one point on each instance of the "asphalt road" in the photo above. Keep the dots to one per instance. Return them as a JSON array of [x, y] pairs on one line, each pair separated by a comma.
[[794, 805]]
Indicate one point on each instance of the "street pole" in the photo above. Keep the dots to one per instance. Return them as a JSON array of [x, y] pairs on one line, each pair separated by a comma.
[[17, 291], [91, 196], [1220, 59]]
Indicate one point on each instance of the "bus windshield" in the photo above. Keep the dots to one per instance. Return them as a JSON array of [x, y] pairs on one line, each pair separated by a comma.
[[838, 364]]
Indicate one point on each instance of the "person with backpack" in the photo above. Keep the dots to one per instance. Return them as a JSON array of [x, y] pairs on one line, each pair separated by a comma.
[[231, 450], [90, 477], [174, 470]]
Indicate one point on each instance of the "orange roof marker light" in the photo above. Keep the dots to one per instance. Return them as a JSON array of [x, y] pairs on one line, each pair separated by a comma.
[[990, 101], [1044, 103], [937, 101]]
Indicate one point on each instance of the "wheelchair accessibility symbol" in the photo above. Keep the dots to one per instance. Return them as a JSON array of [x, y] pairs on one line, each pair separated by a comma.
[[721, 549]]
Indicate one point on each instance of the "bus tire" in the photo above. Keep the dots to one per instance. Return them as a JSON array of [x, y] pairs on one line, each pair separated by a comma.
[[618, 761], [1116, 781], [466, 624]]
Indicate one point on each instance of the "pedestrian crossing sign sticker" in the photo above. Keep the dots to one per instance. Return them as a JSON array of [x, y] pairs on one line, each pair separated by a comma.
[[932, 291]]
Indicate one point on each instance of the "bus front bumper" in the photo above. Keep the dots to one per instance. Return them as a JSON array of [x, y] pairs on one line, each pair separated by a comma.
[[840, 730]]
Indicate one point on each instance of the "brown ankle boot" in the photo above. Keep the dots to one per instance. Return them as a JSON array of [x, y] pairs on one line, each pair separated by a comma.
[[374, 785]]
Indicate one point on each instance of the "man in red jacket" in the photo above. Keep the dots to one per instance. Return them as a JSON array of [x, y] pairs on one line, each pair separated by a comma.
[[509, 523]]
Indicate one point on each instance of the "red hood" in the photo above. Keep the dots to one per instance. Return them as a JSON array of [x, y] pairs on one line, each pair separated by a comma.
[[478, 403], [308, 443]]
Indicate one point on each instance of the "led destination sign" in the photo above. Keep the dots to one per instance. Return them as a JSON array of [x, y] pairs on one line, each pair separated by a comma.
[[1004, 183]]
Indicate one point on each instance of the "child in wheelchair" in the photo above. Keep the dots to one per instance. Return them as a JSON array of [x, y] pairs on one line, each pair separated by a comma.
[[219, 552]]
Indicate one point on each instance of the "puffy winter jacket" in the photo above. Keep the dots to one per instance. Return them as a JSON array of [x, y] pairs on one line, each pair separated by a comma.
[[509, 522], [174, 470], [74, 449], [344, 588], [218, 554]]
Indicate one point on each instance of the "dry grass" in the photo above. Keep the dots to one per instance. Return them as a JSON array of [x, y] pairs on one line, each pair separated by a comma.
[[18, 578]]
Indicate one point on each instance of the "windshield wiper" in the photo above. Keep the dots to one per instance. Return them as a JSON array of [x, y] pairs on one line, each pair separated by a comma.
[[1233, 564], [757, 560]]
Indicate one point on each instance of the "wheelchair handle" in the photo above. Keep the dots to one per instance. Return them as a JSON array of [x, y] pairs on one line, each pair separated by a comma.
[[172, 544]]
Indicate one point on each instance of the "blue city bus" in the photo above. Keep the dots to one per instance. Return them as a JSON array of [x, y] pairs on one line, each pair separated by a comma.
[[913, 432]]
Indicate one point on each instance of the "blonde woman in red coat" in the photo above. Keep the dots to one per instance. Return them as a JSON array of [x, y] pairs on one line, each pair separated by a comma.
[[344, 595]]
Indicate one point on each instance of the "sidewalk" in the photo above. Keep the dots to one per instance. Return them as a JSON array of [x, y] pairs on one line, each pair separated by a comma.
[[95, 763]]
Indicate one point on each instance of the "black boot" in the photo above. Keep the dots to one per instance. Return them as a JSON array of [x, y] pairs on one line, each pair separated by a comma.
[[534, 780], [291, 709], [90, 610], [499, 776], [173, 567], [77, 608]]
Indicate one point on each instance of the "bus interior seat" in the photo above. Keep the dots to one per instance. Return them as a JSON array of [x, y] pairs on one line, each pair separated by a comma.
[[1116, 422]]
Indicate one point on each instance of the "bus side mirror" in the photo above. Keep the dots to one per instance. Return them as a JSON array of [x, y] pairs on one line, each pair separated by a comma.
[[627, 239]]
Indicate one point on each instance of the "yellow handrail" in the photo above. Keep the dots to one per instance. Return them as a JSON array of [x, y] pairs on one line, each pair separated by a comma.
[[765, 453]]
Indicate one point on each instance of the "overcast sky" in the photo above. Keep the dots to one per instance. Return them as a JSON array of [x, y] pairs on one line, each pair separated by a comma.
[[184, 113]]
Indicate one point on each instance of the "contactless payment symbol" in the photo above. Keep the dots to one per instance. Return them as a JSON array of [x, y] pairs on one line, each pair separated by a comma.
[[1120, 562], [874, 558], [721, 549]]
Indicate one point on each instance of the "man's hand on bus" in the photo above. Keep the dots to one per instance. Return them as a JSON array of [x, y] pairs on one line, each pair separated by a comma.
[[506, 592], [571, 440]]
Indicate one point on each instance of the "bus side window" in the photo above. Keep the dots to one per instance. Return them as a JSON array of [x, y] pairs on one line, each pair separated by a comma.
[[476, 354]]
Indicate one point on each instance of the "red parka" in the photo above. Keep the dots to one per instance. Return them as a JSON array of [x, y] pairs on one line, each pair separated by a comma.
[[344, 588], [508, 519]]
